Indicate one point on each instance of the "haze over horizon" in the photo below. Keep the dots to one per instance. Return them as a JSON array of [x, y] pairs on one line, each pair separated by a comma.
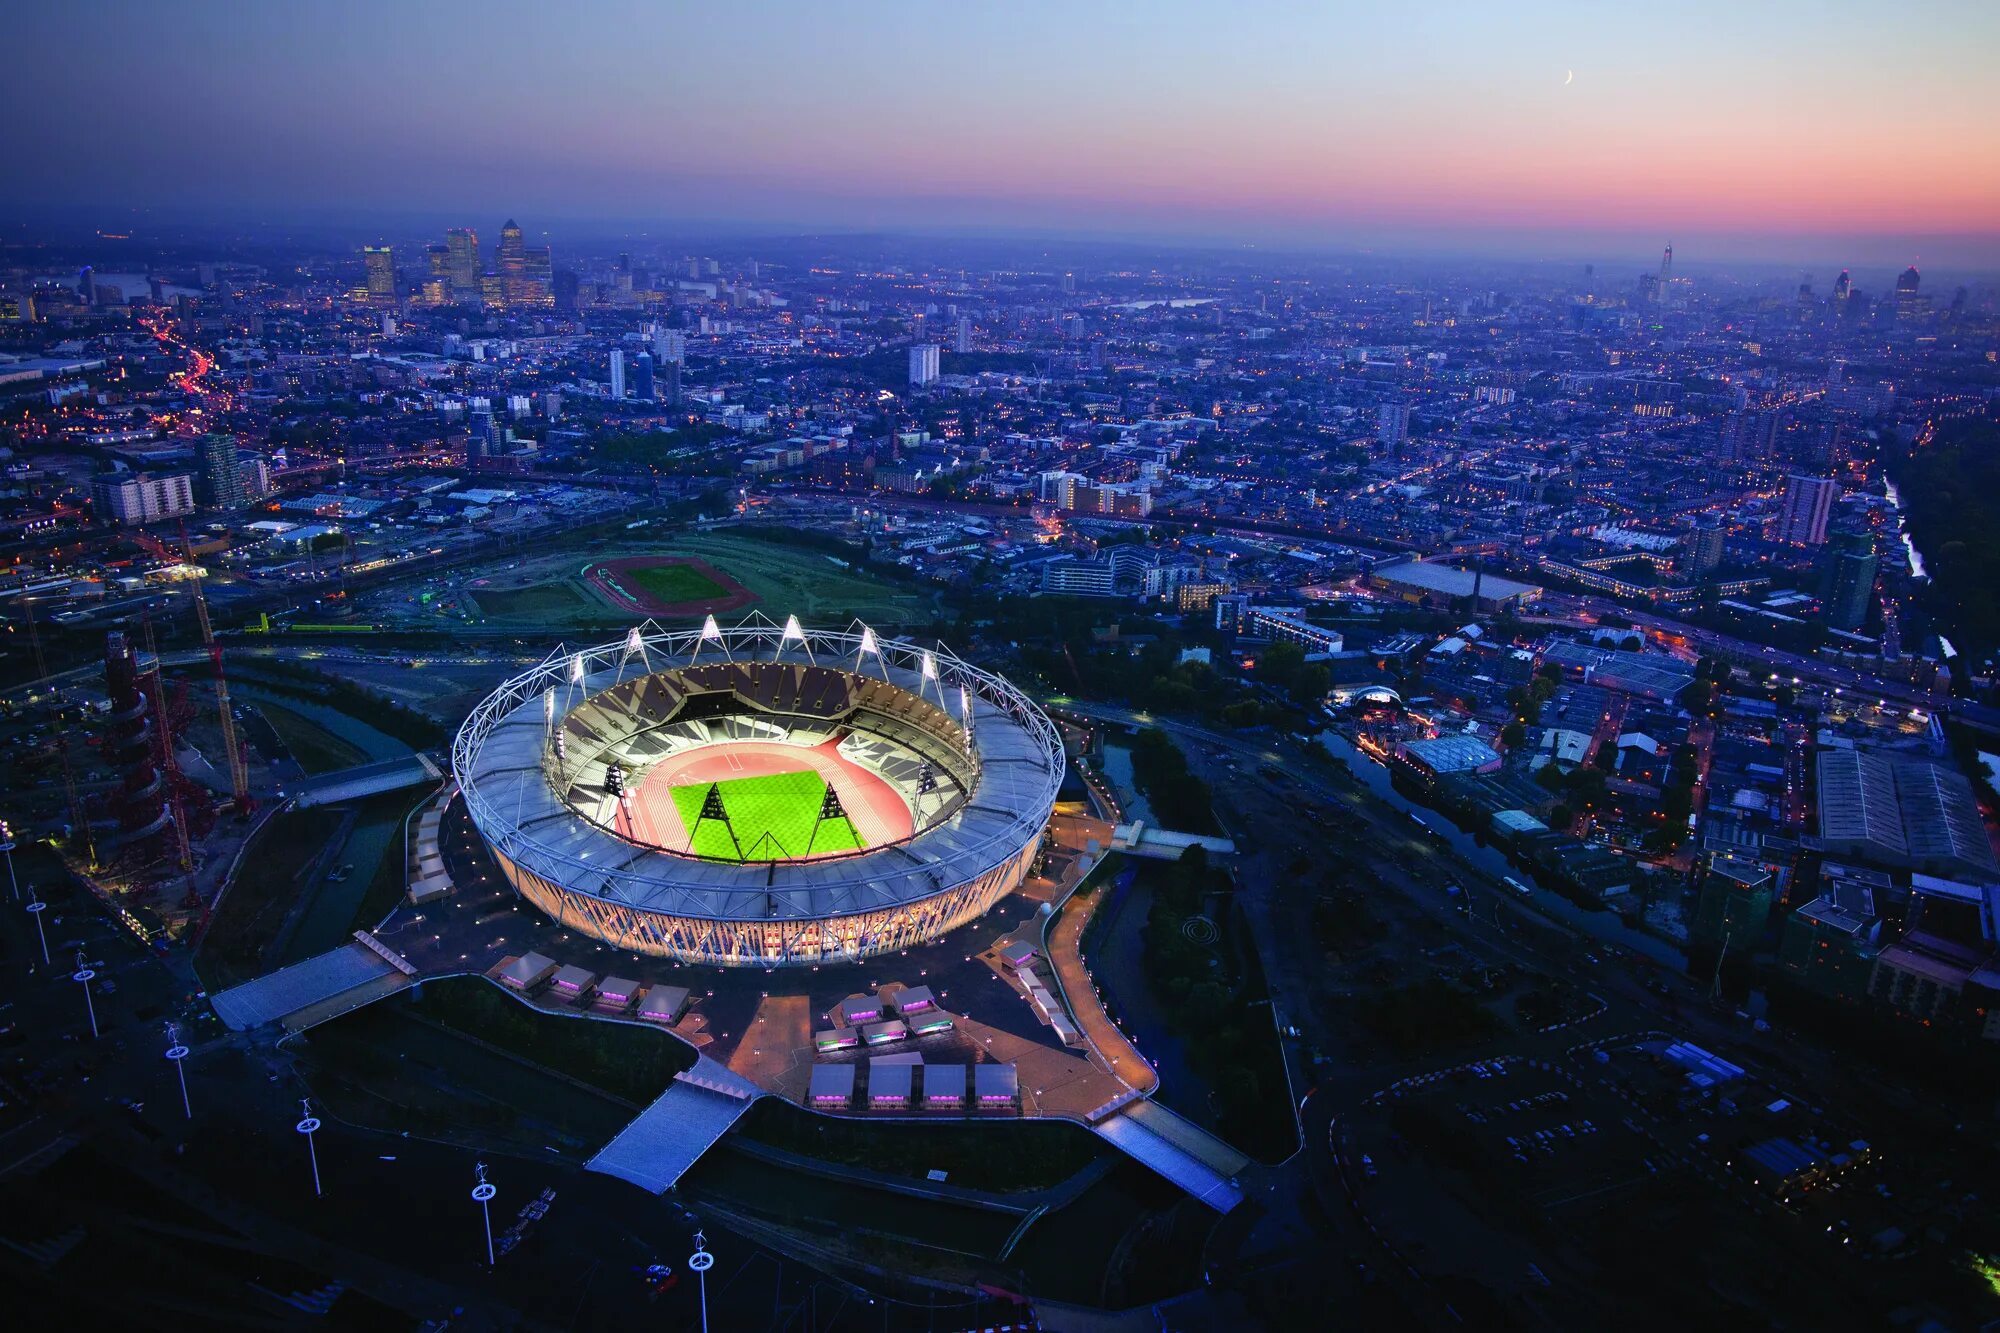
[[1818, 133]]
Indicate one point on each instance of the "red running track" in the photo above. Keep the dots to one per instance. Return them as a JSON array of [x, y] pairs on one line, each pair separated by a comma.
[[876, 809]]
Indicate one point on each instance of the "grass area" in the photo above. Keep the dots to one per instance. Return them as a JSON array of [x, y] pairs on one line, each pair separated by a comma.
[[791, 580], [675, 583], [623, 1059], [381, 1066], [1003, 1157], [541, 599], [267, 886], [774, 815], [317, 749]]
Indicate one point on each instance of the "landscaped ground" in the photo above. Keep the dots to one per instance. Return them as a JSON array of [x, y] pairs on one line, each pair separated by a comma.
[[536, 600], [816, 587], [773, 816]]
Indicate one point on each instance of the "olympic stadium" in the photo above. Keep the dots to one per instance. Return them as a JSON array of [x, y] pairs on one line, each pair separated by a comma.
[[760, 795]]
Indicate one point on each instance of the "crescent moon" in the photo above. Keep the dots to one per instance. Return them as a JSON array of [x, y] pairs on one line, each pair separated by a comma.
[[1569, 77]]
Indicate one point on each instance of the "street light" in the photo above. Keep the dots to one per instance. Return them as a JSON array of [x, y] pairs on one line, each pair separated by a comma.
[[307, 1125], [482, 1194]]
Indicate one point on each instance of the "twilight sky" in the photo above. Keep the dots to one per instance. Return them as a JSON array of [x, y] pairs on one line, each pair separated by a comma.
[[1769, 124]]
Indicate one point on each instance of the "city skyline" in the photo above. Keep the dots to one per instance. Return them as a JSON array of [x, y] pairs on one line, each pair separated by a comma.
[[1816, 134]]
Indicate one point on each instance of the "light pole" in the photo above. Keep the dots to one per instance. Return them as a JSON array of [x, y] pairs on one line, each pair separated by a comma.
[[701, 1261], [7, 848], [178, 1053], [308, 1123], [35, 908], [82, 977], [482, 1194]]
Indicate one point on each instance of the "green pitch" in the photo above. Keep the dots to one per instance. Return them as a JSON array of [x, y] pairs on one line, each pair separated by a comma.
[[784, 805]]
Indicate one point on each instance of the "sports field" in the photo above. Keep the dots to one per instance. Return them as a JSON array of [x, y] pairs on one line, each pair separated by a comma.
[[677, 583], [773, 817]]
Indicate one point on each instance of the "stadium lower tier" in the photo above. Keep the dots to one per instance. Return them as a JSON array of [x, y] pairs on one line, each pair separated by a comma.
[[774, 943]]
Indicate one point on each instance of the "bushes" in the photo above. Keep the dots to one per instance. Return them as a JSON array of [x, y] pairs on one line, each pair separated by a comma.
[[1179, 798]]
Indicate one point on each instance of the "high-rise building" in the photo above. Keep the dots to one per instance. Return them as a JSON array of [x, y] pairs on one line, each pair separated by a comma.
[[1808, 504], [669, 345], [642, 377], [1909, 303], [1069, 284], [1847, 579], [923, 364], [673, 389], [1392, 426], [617, 374], [380, 263], [1704, 546], [462, 246], [221, 475], [1843, 287], [1733, 905], [962, 336], [1666, 267], [486, 439]]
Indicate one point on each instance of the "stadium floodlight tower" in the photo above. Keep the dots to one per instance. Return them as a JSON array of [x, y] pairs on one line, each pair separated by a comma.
[[760, 795]]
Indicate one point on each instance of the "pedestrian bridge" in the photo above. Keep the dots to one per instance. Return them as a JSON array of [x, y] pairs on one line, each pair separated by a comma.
[[1141, 839]]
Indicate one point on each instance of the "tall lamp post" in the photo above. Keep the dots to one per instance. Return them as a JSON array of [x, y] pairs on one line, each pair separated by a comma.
[[482, 1194], [35, 909], [308, 1124], [701, 1261], [82, 977], [7, 849], [178, 1053]]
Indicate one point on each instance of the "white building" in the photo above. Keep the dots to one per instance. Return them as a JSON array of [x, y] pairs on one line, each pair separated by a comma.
[[617, 374], [138, 497], [923, 364]]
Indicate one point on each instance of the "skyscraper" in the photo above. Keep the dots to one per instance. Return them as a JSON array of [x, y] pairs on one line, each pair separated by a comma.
[[513, 258], [642, 377], [923, 364], [220, 474], [1847, 579], [462, 245], [673, 392], [962, 336], [1392, 426], [1808, 503], [618, 374], [669, 345], [380, 263]]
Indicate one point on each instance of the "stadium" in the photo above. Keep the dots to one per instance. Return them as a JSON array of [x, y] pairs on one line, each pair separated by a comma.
[[761, 795]]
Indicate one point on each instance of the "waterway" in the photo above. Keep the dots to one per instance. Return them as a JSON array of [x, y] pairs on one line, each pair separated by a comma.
[[1603, 925], [1910, 551]]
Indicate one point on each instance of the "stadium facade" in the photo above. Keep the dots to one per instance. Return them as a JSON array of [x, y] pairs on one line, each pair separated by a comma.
[[568, 773]]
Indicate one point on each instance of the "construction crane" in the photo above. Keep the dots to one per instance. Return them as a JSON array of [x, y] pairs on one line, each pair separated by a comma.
[[239, 771], [169, 763]]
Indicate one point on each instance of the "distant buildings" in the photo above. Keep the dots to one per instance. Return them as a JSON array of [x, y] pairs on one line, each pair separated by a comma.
[[379, 261], [618, 374], [642, 377], [923, 364]]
